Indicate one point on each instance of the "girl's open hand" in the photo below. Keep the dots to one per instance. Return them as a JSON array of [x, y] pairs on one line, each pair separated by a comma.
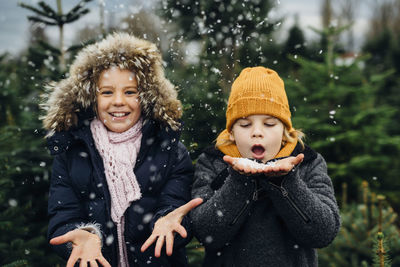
[[165, 228], [86, 248], [276, 168]]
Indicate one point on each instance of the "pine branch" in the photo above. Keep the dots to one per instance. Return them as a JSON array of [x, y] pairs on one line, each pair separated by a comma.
[[78, 10], [48, 10], [37, 19], [74, 17], [75, 47], [17, 263], [3, 56], [47, 46], [23, 5]]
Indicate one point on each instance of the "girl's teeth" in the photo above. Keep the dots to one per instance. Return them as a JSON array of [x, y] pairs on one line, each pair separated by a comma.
[[118, 114]]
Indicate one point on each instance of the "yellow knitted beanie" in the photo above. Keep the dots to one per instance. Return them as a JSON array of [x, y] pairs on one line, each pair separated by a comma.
[[257, 90]]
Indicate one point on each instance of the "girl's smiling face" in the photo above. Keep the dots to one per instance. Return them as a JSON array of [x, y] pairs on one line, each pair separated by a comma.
[[118, 104], [258, 136]]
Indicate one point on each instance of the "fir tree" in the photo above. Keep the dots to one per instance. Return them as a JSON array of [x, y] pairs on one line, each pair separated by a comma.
[[24, 172], [337, 107], [50, 17], [24, 159], [381, 259], [356, 244], [230, 35]]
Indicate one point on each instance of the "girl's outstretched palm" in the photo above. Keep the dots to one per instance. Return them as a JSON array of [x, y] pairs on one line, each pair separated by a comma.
[[86, 248], [165, 228]]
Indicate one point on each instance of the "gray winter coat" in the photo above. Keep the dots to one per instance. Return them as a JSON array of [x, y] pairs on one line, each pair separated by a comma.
[[259, 221]]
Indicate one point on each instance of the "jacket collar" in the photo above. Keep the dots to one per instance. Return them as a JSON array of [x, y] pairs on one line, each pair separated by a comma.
[[309, 153]]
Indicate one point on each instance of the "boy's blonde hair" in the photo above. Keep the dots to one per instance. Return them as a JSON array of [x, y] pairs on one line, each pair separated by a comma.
[[292, 136]]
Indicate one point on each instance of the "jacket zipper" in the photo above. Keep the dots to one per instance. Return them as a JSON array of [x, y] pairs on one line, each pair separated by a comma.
[[244, 207], [285, 194]]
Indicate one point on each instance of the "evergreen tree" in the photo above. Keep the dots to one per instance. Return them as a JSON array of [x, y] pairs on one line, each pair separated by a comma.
[[364, 223], [382, 45], [294, 46], [230, 35], [381, 258], [383, 49], [24, 170], [45, 14], [338, 110], [24, 159]]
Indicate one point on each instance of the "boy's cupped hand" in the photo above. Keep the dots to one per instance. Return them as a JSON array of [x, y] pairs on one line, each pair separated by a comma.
[[271, 169]]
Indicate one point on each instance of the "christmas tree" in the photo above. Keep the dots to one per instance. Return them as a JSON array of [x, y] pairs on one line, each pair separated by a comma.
[[24, 159], [367, 236]]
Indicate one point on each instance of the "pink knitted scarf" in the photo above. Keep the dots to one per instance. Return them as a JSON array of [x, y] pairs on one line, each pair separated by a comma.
[[119, 152]]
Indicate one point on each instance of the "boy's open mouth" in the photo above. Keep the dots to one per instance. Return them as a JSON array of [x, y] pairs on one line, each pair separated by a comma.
[[258, 151]]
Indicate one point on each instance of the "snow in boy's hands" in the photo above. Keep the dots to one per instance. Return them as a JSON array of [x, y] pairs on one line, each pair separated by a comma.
[[166, 227], [276, 168], [86, 248]]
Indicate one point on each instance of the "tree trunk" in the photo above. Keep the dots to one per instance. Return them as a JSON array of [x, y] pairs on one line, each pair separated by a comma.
[[61, 29]]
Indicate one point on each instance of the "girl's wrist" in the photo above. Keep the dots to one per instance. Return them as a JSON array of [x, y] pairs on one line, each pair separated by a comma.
[[92, 229]]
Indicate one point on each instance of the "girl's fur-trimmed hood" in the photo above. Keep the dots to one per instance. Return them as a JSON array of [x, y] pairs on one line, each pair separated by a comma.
[[158, 97]]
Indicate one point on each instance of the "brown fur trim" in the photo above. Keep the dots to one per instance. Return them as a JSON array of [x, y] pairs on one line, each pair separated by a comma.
[[158, 96]]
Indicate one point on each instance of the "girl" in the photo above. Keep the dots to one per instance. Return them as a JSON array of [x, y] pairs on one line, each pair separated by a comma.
[[114, 129], [272, 212]]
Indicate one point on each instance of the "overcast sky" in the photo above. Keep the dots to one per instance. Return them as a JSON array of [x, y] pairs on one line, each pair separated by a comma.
[[14, 24]]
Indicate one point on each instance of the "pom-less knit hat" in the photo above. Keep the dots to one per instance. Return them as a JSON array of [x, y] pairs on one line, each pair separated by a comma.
[[257, 90]]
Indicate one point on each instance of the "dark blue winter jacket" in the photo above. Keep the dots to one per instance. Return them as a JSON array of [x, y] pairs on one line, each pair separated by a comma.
[[79, 193]]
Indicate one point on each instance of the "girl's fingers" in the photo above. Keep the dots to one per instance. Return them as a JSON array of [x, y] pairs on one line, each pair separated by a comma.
[[169, 243], [184, 209], [93, 263], [72, 259], [159, 245], [181, 231], [61, 239], [148, 243], [103, 262], [57, 240]]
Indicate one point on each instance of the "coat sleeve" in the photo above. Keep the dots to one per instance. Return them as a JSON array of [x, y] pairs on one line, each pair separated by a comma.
[[176, 192], [306, 202], [224, 210], [64, 208]]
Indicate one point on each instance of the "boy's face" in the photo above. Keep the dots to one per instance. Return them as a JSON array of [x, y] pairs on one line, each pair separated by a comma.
[[118, 103], [258, 136]]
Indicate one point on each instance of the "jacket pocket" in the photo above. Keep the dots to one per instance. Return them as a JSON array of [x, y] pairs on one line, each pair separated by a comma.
[[286, 195], [252, 197]]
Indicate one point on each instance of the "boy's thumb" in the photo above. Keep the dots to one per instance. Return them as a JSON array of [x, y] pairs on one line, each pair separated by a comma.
[[298, 159]]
